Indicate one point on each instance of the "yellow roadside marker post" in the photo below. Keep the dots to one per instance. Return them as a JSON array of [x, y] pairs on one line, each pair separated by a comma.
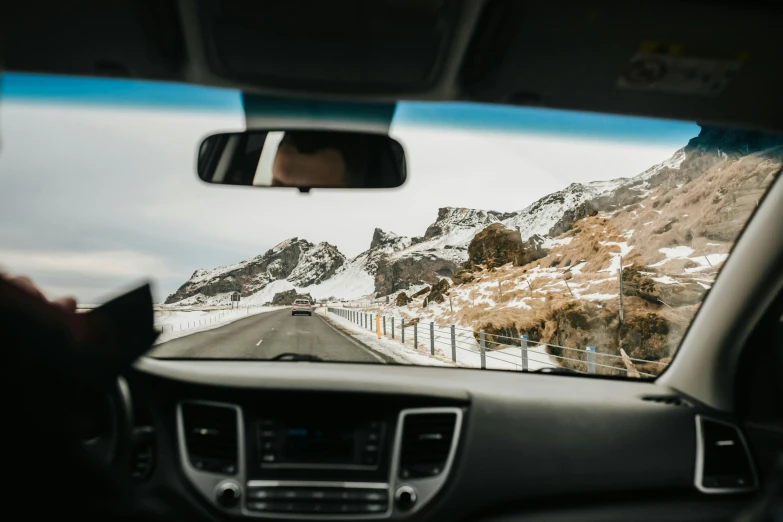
[[378, 325]]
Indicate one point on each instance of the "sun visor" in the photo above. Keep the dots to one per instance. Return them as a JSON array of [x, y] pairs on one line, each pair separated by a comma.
[[264, 112], [658, 59]]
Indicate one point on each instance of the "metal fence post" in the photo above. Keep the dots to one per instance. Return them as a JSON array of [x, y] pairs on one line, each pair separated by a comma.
[[591, 359], [523, 350], [402, 334], [432, 338], [392, 325], [384, 325], [483, 350], [453, 344], [415, 335]]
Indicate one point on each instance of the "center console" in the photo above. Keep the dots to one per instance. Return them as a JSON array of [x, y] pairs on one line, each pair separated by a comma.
[[299, 461]]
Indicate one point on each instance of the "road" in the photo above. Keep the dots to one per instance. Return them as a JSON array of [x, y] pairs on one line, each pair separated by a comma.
[[269, 334]]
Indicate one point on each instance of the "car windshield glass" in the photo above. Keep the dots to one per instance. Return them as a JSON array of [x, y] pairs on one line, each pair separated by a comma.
[[523, 238]]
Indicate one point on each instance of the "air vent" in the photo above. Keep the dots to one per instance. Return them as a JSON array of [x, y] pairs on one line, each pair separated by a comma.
[[211, 437], [723, 462], [426, 444], [671, 400]]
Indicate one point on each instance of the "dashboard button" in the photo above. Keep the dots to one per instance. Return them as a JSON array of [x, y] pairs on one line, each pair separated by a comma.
[[373, 508], [260, 493], [350, 508], [332, 494], [374, 496], [258, 506], [370, 460]]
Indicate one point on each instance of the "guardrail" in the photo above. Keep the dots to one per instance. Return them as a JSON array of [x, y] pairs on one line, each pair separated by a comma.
[[517, 352]]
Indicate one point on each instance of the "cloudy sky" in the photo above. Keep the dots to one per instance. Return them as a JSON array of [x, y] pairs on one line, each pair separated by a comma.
[[98, 194]]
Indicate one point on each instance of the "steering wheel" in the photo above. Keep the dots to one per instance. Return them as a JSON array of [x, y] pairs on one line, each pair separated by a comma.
[[105, 423]]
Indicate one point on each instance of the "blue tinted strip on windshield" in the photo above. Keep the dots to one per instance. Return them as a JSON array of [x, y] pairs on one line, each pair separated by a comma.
[[505, 118], [117, 92]]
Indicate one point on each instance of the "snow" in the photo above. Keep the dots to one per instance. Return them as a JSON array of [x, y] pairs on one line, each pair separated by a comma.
[[551, 243], [598, 297], [676, 252], [351, 281], [714, 259], [665, 280], [577, 269], [268, 292], [393, 349], [540, 216], [614, 266], [468, 350]]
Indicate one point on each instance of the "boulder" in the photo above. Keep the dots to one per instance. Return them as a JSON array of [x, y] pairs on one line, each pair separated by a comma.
[[438, 292], [463, 276], [402, 299], [402, 273], [497, 245]]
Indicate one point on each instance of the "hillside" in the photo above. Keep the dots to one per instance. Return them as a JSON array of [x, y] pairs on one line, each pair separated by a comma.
[[670, 228]]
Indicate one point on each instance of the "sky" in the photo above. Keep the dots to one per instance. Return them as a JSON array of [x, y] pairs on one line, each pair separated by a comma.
[[98, 190]]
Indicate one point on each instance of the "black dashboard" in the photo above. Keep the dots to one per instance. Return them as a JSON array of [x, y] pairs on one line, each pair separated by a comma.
[[314, 441]]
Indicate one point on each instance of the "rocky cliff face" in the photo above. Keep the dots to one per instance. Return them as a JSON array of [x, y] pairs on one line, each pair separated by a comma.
[[452, 219], [295, 260]]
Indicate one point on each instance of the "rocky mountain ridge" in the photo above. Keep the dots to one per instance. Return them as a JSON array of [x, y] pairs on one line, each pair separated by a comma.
[[393, 263]]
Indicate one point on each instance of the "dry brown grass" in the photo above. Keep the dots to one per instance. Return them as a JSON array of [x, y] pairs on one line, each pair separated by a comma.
[[705, 214]]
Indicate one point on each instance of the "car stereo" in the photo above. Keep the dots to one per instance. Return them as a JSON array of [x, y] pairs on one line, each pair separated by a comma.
[[322, 444]]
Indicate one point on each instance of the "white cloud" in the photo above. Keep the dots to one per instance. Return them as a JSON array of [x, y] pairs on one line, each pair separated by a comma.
[[119, 264]]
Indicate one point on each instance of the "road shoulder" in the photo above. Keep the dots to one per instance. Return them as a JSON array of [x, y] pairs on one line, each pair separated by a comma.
[[383, 358]]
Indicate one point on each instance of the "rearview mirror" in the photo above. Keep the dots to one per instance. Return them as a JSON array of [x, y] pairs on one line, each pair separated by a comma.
[[302, 158]]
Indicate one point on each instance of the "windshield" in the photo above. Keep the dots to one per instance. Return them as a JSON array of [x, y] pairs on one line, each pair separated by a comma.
[[523, 239]]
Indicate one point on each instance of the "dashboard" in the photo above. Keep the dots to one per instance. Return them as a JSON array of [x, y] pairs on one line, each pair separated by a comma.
[[332, 441]]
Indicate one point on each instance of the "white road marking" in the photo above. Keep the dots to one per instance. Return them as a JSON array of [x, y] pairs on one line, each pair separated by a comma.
[[259, 342]]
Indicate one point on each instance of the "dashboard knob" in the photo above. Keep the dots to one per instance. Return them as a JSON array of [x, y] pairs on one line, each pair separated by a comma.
[[405, 497], [228, 494]]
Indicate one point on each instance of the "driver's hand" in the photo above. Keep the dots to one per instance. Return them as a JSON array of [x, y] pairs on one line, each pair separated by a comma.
[[66, 303], [21, 294]]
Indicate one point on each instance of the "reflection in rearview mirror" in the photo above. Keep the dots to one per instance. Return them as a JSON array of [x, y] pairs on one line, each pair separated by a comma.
[[303, 159]]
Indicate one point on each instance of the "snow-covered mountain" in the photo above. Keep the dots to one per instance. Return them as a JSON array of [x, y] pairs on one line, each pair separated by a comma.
[[393, 262], [295, 261]]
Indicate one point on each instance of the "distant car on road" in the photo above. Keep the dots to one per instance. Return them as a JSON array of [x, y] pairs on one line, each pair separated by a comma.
[[302, 306]]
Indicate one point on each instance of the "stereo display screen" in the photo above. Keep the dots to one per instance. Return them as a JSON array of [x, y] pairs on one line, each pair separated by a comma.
[[319, 444]]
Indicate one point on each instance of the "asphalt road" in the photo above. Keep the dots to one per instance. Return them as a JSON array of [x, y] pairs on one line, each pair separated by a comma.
[[265, 335]]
